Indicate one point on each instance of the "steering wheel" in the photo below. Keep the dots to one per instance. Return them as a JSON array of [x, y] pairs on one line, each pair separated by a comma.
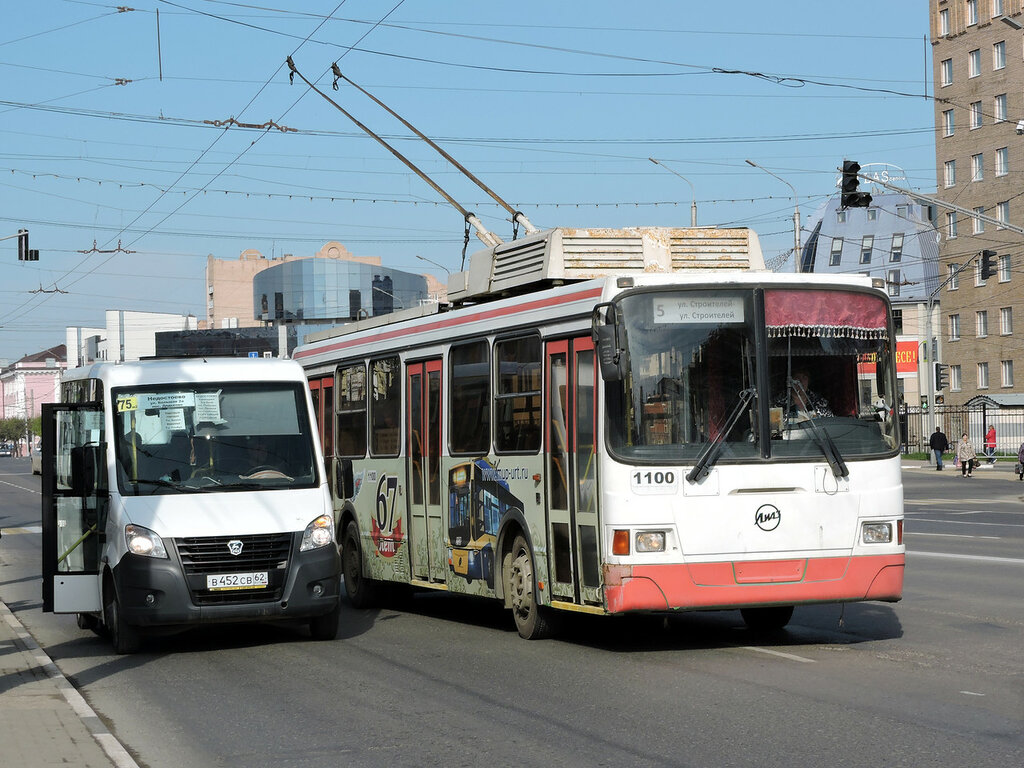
[[265, 472]]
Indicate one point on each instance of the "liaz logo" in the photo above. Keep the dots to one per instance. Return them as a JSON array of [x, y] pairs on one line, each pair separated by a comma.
[[767, 517]]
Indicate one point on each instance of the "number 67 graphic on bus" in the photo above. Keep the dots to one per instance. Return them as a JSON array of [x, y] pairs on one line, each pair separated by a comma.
[[387, 489]]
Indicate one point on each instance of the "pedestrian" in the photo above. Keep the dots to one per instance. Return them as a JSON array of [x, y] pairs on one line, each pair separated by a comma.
[[990, 443], [1020, 462], [939, 445], [965, 453]]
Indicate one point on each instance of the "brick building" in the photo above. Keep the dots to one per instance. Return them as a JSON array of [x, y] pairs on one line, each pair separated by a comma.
[[978, 64]]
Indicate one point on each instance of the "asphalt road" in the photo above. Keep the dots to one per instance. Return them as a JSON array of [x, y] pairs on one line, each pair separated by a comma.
[[935, 679]]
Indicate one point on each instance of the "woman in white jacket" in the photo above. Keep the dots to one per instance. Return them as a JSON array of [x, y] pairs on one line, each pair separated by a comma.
[[966, 454]]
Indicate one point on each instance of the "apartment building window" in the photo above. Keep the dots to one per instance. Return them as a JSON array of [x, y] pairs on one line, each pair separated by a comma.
[[947, 122], [903, 211], [897, 321], [954, 278], [836, 254], [977, 273], [872, 214], [865, 248], [975, 119], [954, 327], [977, 167], [982, 375], [972, 12], [981, 321], [949, 173], [997, 8], [841, 217], [1003, 212], [999, 108], [893, 282], [944, 21], [999, 55], [974, 63], [1007, 371], [1004, 268], [1006, 321], [979, 224], [955, 379], [896, 251], [950, 224], [946, 72], [1002, 161]]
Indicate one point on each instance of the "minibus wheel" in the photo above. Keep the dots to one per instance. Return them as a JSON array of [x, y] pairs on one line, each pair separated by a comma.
[[124, 637], [531, 619]]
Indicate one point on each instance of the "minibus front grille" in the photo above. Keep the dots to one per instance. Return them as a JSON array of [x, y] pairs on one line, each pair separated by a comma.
[[201, 556]]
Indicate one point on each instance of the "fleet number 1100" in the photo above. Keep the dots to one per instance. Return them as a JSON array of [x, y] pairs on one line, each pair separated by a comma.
[[654, 478]]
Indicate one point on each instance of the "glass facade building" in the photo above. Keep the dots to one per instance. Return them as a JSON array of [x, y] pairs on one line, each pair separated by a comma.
[[313, 291]]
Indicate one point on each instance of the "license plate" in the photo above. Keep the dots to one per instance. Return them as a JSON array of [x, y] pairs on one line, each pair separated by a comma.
[[224, 581]]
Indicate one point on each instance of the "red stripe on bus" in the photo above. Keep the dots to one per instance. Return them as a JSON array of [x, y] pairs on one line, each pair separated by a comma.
[[455, 321], [717, 586]]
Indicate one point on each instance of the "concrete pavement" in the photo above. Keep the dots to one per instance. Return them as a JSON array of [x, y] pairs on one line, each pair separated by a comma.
[[44, 721]]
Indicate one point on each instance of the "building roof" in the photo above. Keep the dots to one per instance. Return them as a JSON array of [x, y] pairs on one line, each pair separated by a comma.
[[1009, 400], [58, 353], [917, 262]]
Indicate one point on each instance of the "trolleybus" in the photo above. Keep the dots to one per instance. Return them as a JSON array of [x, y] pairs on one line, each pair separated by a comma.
[[660, 424]]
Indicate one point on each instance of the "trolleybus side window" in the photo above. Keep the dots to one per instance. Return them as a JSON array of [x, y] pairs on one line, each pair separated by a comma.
[[352, 411], [385, 407], [517, 377], [470, 424]]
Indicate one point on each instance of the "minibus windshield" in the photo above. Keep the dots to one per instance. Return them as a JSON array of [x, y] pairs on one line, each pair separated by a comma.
[[176, 438]]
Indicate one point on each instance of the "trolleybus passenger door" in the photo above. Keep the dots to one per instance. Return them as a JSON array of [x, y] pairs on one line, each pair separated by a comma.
[[75, 500], [322, 391], [572, 482], [423, 467]]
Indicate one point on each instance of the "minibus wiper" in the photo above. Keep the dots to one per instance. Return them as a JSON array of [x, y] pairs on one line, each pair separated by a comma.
[[709, 455]]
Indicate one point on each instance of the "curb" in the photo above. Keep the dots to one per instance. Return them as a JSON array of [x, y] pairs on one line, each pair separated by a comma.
[[92, 722]]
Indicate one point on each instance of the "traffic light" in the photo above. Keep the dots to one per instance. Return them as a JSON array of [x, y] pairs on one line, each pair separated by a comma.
[[941, 376], [850, 197], [24, 254], [988, 264]]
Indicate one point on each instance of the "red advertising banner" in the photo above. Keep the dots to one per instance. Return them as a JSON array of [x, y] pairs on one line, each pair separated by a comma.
[[906, 359]]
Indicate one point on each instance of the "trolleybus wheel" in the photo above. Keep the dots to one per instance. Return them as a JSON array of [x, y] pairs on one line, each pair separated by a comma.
[[531, 619], [362, 592], [767, 619]]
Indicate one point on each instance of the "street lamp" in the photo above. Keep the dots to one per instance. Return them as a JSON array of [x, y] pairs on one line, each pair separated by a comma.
[[693, 191], [796, 215], [441, 266]]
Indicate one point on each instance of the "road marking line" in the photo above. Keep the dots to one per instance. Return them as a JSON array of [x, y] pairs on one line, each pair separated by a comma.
[[971, 693], [953, 535], [19, 487], [26, 529], [980, 558], [769, 651]]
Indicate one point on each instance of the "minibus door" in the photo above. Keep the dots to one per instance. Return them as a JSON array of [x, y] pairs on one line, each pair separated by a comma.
[[75, 502], [572, 477], [423, 452]]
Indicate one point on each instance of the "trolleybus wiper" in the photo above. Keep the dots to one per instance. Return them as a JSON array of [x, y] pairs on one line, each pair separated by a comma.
[[823, 438], [709, 455]]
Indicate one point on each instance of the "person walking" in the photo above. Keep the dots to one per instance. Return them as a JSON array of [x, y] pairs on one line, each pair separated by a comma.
[[966, 454], [939, 445], [990, 444], [1020, 462]]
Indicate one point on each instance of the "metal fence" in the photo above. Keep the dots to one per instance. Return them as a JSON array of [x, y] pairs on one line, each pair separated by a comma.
[[916, 426]]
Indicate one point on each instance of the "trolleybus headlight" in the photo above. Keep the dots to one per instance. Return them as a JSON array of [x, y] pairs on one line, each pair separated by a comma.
[[142, 541], [650, 541], [318, 533], [876, 533]]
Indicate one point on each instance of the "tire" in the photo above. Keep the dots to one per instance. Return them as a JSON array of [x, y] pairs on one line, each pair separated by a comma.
[[362, 592], [124, 637], [767, 619], [325, 627], [532, 620]]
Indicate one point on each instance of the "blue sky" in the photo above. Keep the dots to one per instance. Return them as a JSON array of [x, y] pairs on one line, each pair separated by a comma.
[[108, 130]]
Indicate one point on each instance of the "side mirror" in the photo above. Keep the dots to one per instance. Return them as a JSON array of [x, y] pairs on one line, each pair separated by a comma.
[[612, 357]]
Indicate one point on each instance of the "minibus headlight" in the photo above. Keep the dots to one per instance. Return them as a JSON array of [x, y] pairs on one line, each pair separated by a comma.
[[650, 541], [142, 541], [876, 533], [318, 533]]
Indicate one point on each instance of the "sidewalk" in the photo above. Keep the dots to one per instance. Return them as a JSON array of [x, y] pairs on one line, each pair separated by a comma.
[[44, 721]]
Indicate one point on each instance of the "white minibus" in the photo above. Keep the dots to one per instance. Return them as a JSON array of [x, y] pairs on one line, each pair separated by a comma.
[[183, 492]]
